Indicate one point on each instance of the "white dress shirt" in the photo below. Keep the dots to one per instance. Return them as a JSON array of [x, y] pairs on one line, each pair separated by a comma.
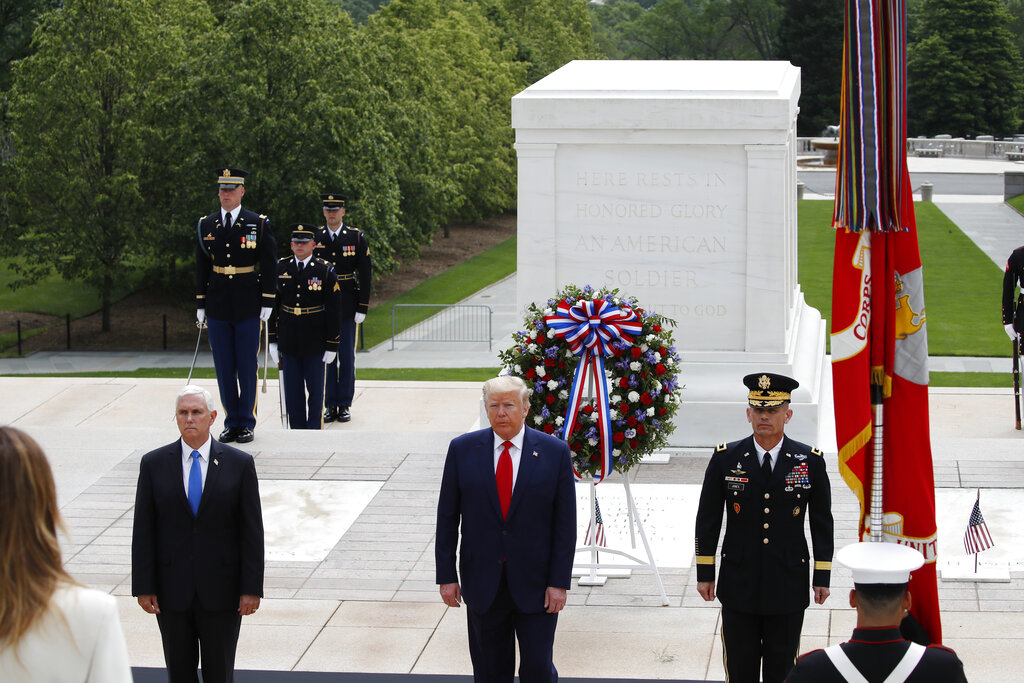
[[186, 461]]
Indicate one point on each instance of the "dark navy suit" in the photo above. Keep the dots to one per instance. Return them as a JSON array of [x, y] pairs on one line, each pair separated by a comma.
[[305, 325], [350, 254], [506, 565], [235, 278], [202, 564]]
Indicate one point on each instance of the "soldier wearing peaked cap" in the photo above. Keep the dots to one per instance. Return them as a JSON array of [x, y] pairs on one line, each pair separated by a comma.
[[304, 327], [878, 652], [346, 247], [236, 264], [765, 485]]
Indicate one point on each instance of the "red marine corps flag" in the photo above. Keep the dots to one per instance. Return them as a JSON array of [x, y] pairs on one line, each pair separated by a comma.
[[879, 338]]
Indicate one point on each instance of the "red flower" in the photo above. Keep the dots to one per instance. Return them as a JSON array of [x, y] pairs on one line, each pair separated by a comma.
[[641, 430], [531, 373], [540, 339], [660, 369], [656, 328], [549, 362], [549, 428], [618, 437], [633, 443], [588, 409], [643, 374], [631, 421], [561, 365], [624, 382], [662, 350], [661, 411], [636, 352], [550, 398], [623, 407], [646, 399]]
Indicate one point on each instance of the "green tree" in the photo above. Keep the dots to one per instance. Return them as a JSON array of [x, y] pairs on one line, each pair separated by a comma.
[[87, 110], [17, 21], [546, 34], [811, 37], [964, 73]]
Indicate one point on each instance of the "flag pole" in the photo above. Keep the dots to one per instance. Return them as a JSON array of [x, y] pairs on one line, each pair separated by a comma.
[[978, 502], [878, 453]]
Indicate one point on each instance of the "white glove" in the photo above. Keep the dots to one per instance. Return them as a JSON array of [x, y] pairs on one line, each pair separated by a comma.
[[329, 356], [201, 315], [360, 317], [1010, 332], [265, 313], [272, 348]]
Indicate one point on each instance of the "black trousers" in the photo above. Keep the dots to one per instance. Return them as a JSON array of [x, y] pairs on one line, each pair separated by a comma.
[[492, 642], [194, 632], [752, 640]]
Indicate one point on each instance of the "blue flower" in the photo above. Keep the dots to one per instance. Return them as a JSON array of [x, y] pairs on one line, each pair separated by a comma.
[[633, 381], [539, 386], [545, 413], [588, 289]]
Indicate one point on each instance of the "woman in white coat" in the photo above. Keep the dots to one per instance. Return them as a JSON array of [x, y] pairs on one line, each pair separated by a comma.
[[52, 630]]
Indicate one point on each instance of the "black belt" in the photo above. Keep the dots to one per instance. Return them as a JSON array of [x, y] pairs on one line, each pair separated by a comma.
[[298, 310]]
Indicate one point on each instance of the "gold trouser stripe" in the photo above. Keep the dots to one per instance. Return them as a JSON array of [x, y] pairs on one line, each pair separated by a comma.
[[232, 270], [706, 559], [826, 566]]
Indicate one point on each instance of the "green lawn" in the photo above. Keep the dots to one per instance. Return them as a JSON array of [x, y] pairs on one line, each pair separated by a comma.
[[451, 286], [52, 295], [962, 286]]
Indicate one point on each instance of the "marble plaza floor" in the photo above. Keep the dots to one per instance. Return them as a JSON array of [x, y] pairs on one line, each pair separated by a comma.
[[349, 513]]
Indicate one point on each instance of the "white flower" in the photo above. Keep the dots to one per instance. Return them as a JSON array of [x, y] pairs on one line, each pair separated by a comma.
[[633, 397], [563, 394], [652, 337], [537, 419], [594, 416], [551, 333], [650, 412], [552, 385], [559, 421], [613, 414], [548, 311], [616, 301], [541, 370], [630, 433], [531, 348], [635, 366], [518, 370], [592, 442], [616, 452], [644, 347], [657, 357], [615, 398], [670, 361]]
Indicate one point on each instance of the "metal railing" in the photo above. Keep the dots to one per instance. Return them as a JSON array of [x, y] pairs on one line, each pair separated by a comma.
[[943, 146], [441, 323]]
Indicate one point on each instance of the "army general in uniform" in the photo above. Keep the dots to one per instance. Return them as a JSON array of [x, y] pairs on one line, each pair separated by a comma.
[[347, 248], [304, 328], [233, 296], [765, 485]]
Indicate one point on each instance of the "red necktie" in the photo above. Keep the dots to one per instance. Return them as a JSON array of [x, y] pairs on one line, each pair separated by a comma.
[[503, 476]]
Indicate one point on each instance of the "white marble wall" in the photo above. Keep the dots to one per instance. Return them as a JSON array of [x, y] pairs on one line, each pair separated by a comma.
[[676, 183]]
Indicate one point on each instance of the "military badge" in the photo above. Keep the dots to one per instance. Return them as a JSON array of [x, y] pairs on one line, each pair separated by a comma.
[[796, 512], [314, 284], [798, 476], [736, 508], [800, 456]]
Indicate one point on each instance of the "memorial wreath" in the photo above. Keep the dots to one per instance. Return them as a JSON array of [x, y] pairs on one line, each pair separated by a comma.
[[603, 374]]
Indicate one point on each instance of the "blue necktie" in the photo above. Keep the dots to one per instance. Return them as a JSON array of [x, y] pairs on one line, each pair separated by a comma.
[[195, 484]]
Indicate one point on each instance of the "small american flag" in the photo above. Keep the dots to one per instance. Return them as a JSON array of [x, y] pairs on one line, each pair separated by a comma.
[[977, 537], [599, 523]]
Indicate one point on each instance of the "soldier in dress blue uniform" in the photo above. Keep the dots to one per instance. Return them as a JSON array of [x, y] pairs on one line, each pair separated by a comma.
[[765, 485], [304, 327], [878, 652], [233, 296], [1013, 302], [347, 249]]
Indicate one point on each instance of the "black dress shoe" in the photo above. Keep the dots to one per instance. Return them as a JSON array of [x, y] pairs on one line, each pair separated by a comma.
[[330, 415], [228, 435], [244, 435], [343, 414]]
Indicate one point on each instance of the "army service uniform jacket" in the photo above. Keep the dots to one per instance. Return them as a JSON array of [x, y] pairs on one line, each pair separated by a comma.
[[1013, 276], [305, 321], [350, 254], [228, 283], [765, 565]]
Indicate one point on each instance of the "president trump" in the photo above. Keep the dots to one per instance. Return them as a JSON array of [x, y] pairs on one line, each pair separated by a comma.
[[511, 488]]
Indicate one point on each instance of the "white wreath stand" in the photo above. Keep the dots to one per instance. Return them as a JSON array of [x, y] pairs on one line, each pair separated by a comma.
[[592, 578]]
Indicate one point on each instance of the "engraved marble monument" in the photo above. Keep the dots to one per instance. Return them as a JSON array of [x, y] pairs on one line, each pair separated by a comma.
[[675, 182]]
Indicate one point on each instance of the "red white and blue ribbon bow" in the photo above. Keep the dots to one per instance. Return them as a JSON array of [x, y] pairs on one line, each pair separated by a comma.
[[589, 327]]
